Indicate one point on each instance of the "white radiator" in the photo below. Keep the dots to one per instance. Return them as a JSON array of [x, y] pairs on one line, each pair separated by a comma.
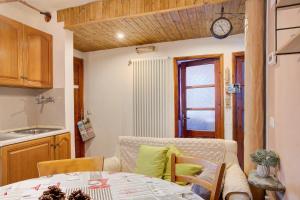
[[151, 97]]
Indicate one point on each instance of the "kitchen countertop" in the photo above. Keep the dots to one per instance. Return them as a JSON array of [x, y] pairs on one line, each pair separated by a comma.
[[31, 137]]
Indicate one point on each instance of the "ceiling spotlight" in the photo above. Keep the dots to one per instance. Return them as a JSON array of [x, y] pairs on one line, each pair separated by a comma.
[[120, 35]]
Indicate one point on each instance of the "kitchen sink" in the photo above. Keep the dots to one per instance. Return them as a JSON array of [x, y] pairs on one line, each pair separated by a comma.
[[25, 132], [34, 131], [10, 136]]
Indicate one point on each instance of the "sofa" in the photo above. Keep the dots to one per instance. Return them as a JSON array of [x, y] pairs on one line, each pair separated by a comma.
[[216, 150]]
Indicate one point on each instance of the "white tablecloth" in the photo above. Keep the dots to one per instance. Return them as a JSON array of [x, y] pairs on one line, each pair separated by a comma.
[[120, 186]]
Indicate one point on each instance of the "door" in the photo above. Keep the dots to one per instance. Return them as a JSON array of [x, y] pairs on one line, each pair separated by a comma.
[[37, 56], [11, 38], [201, 98], [78, 105], [238, 104], [19, 161], [62, 146]]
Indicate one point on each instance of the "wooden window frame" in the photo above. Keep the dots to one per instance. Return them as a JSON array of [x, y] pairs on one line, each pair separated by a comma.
[[220, 57]]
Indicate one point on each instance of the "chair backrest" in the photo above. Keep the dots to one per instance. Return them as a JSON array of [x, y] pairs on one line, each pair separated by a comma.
[[47, 168], [213, 186]]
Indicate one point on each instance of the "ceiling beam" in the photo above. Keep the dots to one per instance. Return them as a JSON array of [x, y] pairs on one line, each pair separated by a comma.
[[103, 10]]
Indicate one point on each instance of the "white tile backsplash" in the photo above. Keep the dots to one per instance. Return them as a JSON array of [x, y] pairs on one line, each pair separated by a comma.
[[52, 114], [18, 108]]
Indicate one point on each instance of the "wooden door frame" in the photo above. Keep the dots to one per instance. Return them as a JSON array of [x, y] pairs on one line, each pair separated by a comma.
[[234, 59], [176, 88], [235, 55], [75, 59]]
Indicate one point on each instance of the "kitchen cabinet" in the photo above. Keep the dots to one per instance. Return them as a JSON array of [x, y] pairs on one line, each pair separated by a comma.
[[26, 55], [19, 161], [11, 38], [37, 58], [62, 147]]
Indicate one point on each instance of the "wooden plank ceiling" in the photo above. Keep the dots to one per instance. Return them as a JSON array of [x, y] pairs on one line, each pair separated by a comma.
[[95, 25]]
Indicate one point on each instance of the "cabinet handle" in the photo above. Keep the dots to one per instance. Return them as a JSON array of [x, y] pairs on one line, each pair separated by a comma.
[[58, 144], [53, 145], [24, 77]]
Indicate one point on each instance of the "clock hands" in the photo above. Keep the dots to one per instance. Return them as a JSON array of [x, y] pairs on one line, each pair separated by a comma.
[[221, 28]]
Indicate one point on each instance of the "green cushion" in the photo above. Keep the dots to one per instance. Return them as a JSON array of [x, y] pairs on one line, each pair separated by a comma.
[[182, 168], [172, 150], [151, 161]]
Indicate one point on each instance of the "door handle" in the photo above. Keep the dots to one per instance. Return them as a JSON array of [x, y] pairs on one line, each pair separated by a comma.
[[234, 88], [184, 117]]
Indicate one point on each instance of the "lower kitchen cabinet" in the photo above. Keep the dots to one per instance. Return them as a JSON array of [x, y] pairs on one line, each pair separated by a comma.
[[19, 161], [62, 147]]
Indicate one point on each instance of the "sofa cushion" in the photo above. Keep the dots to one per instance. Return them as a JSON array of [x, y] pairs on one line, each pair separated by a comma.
[[181, 169], [151, 161], [172, 150], [185, 170]]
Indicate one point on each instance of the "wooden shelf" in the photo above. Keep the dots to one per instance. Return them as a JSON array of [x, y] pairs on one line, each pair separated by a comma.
[[292, 46], [281, 3]]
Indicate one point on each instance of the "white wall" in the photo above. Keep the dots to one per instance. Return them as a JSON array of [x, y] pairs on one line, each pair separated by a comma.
[[108, 87], [283, 108], [62, 51]]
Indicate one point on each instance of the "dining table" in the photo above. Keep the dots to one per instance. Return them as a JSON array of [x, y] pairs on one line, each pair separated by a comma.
[[100, 186]]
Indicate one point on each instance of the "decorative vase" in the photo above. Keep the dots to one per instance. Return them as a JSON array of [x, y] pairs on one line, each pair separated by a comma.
[[263, 171]]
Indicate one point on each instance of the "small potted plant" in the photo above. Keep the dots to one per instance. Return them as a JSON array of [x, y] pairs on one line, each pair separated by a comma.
[[264, 160]]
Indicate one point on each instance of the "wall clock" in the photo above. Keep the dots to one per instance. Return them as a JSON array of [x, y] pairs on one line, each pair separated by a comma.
[[221, 27]]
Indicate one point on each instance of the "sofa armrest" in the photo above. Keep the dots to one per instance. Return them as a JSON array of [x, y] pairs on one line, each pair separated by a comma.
[[112, 164], [236, 185]]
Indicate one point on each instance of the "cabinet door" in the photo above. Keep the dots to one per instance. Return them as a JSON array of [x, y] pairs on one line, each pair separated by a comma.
[[11, 36], [19, 161], [62, 146], [37, 57]]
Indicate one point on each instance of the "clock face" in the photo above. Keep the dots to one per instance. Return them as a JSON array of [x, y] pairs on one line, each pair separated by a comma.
[[221, 28]]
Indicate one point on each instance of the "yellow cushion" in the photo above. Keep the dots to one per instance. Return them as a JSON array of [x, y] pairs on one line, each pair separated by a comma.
[[151, 161], [181, 169]]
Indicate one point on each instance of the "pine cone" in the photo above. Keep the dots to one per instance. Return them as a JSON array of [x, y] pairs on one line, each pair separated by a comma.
[[79, 195], [53, 193], [45, 197]]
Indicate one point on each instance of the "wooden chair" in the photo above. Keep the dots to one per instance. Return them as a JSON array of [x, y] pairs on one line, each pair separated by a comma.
[[47, 168], [214, 187]]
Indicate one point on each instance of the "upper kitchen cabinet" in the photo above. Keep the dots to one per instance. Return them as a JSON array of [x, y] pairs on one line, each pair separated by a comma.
[[25, 55], [11, 38], [37, 58]]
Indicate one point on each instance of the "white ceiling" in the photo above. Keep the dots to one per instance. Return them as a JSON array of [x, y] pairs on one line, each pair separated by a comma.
[[52, 5]]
